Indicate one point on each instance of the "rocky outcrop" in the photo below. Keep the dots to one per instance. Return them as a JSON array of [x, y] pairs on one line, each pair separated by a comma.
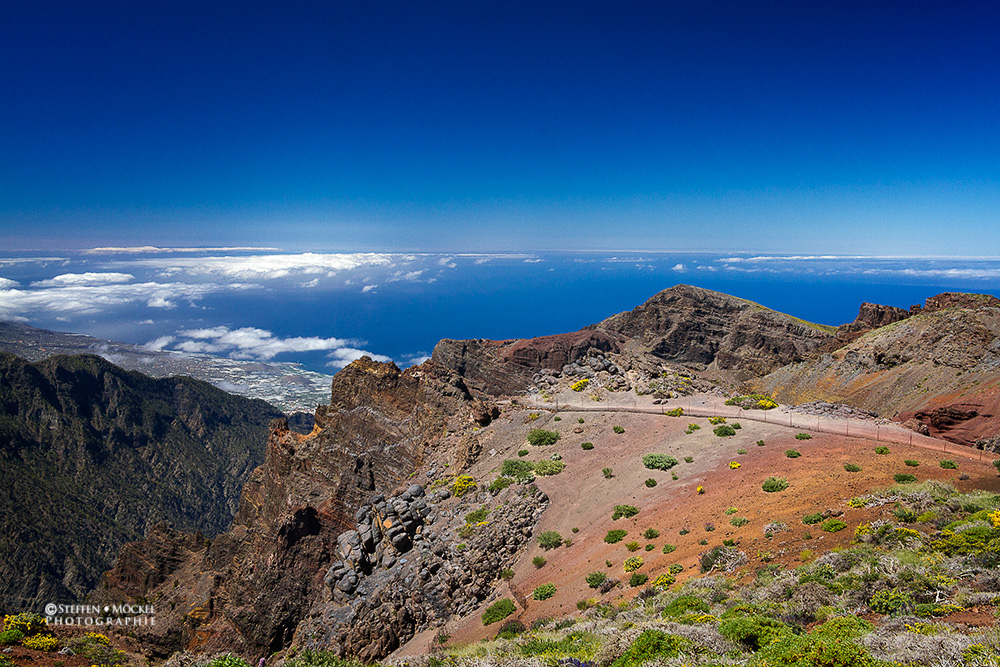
[[870, 316], [702, 330], [94, 456], [250, 588]]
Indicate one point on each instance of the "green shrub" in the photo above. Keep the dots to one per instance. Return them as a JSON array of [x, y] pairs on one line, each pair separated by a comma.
[[624, 511], [614, 536], [904, 478], [607, 472], [773, 484], [618, 429], [653, 645], [650, 547], [881, 450], [544, 592], [650, 482], [724, 431], [557, 419], [844, 627], [230, 660], [739, 521], [506, 574], [810, 519], [676, 412], [11, 636], [539, 437], [716, 420], [546, 468], [808, 650], [498, 611], [632, 546], [948, 465], [803, 436], [685, 604], [595, 579], [550, 539], [754, 632], [692, 428], [632, 563], [833, 525], [511, 629], [499, 484], [637, 579], [760, 443], [539, 561], [586, 446], [792, 453], [688, 459], [669, 548], [741, 451], [477, 516], [890, 601], [29, 623], [852, 467], [658, 461], [651, 533], [516, 469], [911, 463]]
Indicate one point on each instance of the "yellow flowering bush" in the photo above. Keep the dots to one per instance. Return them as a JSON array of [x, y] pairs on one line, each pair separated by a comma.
[[580, 385], [733, 465], [663, 581], [463, 484], [994, 518], [26, 622], [700, 490], [632, 564], [98, 638], [40, 643]]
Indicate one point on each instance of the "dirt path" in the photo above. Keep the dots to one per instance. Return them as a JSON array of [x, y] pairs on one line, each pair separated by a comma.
[[705, 405]]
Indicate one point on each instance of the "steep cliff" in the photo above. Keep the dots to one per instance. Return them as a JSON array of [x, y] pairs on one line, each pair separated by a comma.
[[250, 588], [702, 329], [93, 456]]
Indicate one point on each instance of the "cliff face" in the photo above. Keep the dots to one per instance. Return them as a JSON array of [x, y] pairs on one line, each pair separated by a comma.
[[93, 456], [940, 367], [251, 587], [702, 329]]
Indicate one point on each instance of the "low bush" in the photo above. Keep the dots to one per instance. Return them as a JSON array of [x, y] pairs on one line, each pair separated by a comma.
[[462, 485], [40, 643], [844, 627], [586, 446], [650, 547], [724, 431], [651, 533], [890, 601], [803, 436], [904, 478], [760, 443], [498, 611], [688, 459], [550, 539], [809, 650], [637, 579], [580, 385], [614, 536], [714, 421], [810, 519], [499, 484], [881, 450], [684, 604], [650, 482], [11, 636], [544, 592], [669, 548], [948, 465], [911, 463], [754, 632], [522, 452], [632, 546], [511, 629], [658, 461], [618, 429], [624, 511], [833, 525], [773, 484], [28, 623], [547, 468], [653, 645], [539, 561], [607, 472], [852, 467], [632, 563], [539, 437], [676, 412], [739, 521], [792, 453], [595, 579]]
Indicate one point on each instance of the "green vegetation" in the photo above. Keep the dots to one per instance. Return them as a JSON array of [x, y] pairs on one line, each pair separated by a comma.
[[669, 548], [688, 459], [658, 461], [752, 402], [614, 536], [522, 452], [544, 592], [948, 465], [760, 443], [550, 539], [803, 436], [651, 646], [792, 453], [739, 521], [539, 437], [852, 467], [595, 579], [230, 660], [498, 611], [685, 604], [586, 446], [724, 431], [773, 484], [692, 428], [810, 519], [632, 546], [675, 412], [618, 429], [833, 525], [715, 421], [911, 463], [881, 450], [607, 472], [499, 484], [904, 478], [651, 533], [539, 561], [650, 482], [624, 511], [638, 579]]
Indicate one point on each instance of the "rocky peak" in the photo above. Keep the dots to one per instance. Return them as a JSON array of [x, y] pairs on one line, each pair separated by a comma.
[[870, 316], [960, 300]]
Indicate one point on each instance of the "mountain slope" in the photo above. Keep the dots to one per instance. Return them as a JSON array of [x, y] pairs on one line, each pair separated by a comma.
[[93, 456], [940, 366], [708, 330]]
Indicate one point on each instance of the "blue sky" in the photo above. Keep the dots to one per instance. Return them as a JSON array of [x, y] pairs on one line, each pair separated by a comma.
[[820, 127]]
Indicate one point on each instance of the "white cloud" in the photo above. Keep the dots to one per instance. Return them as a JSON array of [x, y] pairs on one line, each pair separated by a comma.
[[268, 267], [368, 288], [415, 360], [532, 261], [406, 275], [158, 344], [160, 302], [312, 283], [679, 268], [345, 355], [73, 279], [7, 283], [785, 258], [152, 249]]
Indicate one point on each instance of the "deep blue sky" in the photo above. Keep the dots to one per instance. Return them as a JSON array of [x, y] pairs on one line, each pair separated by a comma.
[[837, 127]]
